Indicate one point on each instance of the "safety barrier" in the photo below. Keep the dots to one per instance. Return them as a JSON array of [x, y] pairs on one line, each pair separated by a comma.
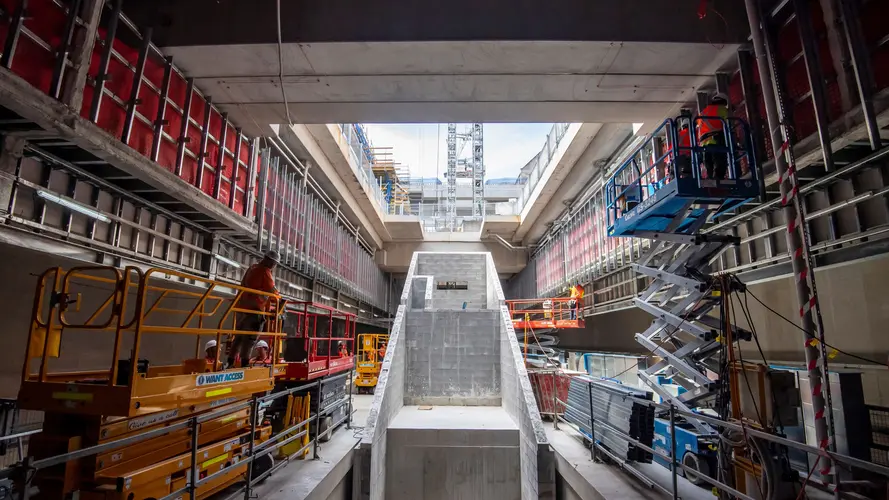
[[296, 431], [743, 433]]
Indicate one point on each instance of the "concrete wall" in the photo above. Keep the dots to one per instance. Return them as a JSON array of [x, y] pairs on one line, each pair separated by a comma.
[[436, 464], [453, 358], [537, 461], [370, 457], [469, 267]]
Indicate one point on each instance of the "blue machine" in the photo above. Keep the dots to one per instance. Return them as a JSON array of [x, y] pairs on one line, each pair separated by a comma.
[[693, 449], [648, 191]]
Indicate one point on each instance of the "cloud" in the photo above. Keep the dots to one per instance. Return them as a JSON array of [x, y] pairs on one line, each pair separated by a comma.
[[508, 146]]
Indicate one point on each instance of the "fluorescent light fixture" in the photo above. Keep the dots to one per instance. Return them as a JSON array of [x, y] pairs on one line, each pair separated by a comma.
[[291, 285], [71, 205], [350, 305], [362, 310], [375, 316], [325, 297], [226, 260]]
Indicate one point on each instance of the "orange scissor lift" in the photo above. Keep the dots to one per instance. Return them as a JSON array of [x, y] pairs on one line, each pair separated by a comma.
[[545, 314], [150, 417]]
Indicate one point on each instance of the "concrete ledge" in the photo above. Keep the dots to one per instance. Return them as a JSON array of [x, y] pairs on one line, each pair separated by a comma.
[[453, 401], [315, 479]]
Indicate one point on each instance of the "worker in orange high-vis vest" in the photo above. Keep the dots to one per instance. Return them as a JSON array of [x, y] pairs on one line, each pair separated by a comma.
[[258, 277], [710, 133], [576, 302], [683, 156]]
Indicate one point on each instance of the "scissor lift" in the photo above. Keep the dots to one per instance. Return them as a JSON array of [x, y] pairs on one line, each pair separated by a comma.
[[319, 343], [123, 313], [651, 196]]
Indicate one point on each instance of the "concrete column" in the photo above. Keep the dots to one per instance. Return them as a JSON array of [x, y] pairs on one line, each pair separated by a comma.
[[82, 51], [10, 156]]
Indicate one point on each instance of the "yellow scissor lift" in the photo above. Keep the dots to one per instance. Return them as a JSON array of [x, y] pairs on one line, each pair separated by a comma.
[[370, 360], [159, 412]]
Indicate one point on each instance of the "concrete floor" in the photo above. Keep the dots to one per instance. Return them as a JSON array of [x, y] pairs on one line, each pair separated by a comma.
[[329, 477], [453, 418], [598, 481]]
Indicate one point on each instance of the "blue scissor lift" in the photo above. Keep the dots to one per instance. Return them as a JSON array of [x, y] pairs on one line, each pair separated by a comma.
[[663, 193]]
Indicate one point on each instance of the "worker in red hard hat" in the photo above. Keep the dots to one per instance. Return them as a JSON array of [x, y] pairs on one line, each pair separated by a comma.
[[258, 277], [710, 132]]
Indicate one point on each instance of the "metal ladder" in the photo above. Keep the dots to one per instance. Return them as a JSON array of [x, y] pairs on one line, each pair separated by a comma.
[[680, 296]]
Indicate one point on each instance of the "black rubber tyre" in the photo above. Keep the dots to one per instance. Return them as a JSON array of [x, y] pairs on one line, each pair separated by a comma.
[[699, 464], [262, 465]]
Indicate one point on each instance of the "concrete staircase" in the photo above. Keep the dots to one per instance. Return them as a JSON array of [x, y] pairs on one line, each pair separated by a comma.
[[453, 414]]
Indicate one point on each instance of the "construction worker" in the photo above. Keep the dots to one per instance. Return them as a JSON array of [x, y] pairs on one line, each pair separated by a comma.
[[210, 351], [258, 277], [682, 157], [576, 301], [711, 134], [261, 354], [343, 352], [381, 353]]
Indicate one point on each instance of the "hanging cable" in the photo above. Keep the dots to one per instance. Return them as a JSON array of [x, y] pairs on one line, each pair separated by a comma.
[[811, 336], [281, 62]]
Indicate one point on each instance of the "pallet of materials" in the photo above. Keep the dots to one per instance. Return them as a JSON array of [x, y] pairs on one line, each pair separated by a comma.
[[614, 406]]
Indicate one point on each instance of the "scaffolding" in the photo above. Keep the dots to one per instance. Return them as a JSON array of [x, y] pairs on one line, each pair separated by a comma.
[[471, 167], [393, 178]]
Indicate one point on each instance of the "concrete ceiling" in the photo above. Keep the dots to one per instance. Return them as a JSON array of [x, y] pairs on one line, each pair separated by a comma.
[[228, 22], [386, 82]]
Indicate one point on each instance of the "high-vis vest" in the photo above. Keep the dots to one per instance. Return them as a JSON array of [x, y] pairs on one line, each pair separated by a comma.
[[710, 130]]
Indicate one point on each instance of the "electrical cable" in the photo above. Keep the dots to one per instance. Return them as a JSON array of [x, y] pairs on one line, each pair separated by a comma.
[[810, 335], [281, 62]]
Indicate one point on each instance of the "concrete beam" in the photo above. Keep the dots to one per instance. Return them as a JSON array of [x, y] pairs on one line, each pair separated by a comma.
[[396, 256], [345, 185], [401, 20], [22, 98], [587, 167], [572, 146]]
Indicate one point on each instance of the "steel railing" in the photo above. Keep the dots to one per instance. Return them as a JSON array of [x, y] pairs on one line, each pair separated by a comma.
[[256, 451], [720, 425]]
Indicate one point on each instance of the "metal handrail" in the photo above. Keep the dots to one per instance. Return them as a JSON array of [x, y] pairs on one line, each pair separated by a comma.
[[256, 451], [721, 425]]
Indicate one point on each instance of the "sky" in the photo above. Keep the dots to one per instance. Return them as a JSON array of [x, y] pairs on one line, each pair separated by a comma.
[[508, 146]]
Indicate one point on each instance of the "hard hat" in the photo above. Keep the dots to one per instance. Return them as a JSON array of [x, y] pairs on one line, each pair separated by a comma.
[[719, 99], [210, 344], [272, 255], [261, 343]]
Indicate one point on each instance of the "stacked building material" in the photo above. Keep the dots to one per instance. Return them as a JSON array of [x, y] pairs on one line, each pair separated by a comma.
[[615, 406]]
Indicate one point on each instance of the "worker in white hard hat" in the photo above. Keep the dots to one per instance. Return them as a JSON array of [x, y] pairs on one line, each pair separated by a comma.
[[210, 351], [259, 276], [261, 354]]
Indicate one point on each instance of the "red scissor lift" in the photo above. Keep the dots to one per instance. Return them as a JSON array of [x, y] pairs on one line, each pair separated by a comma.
[[320, 343], [312, 347]]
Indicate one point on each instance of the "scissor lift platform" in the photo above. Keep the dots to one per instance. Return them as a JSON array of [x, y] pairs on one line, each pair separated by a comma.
[[174, 403], [647, 192], [545, 314], [665, 192], [315, 333]]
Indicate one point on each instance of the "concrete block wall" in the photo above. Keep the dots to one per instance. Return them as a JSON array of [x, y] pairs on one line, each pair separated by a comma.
[[452, 358], [537, 460], [388, 400], [452, 266]]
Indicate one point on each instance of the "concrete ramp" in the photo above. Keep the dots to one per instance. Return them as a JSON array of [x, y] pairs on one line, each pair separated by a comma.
[[453, 415]]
